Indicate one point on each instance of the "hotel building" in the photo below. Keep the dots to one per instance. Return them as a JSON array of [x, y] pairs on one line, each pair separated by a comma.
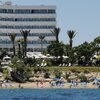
[[40, 20]]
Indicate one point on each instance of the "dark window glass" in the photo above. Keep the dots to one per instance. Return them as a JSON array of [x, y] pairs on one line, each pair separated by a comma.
[[28, 11], [10, 11], [3, 10], [51, 11]]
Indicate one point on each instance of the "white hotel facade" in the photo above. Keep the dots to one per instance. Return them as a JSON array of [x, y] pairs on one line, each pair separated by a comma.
[[40, 20]]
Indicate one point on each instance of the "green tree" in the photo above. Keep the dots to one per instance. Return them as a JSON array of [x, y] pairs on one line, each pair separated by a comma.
[[30, 61], [28, 72], [97, 44], [84, 50], [25, 35], [12, 37], [56, 49], [97, 40], [56, 31], [71, 35], [2, 53]]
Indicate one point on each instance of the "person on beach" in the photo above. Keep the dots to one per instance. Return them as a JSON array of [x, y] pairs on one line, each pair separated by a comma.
[[70, 86], [19, 85], [37, 83], [50, 83], [1, 85], [41, 83]]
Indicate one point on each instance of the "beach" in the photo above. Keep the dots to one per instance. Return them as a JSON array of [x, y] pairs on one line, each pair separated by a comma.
[[47, 85], [82, 80]]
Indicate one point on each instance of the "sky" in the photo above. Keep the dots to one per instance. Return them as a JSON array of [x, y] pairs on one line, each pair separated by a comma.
[[82, 16]]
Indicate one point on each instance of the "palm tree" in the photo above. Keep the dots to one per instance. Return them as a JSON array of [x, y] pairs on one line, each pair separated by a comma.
[[12, 37], [71, 35], [25, 35], [56, 31], [41, 39], [22, 45], [19, 47]]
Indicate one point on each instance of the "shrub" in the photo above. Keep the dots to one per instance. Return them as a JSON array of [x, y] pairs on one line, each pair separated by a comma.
[[57, 73], [28, 72], [73, 70], [47, 75], [7, 74], [86, 71], [83, 78], [66, 76], [49, 62], [14, 59], [30, 61]]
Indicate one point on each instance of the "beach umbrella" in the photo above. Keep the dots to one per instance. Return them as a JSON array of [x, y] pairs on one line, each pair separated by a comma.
[[95, 56], [48, 79], [92, 78], [51, 57], [56, 79], [19, 61], [43, 56], [65, 57], [72, 77]]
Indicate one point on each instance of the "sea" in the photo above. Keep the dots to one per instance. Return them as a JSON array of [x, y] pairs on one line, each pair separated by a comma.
[[49, 94]]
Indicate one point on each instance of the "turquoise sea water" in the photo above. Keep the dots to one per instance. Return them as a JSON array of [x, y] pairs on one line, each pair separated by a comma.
[[49, 94]]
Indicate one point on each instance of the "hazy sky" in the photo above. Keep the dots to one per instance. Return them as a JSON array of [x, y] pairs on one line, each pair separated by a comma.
[[83, 16]]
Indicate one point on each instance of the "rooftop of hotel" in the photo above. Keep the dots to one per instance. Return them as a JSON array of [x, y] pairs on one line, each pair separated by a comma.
[[9, 3]]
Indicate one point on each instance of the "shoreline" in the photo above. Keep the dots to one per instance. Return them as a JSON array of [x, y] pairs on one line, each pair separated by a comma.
[[46, 85]]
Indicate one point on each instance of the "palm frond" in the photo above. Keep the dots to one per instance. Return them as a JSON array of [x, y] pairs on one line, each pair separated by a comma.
[[56, 31], [41, 37], [71, 34], [25, 33], [12, 36]]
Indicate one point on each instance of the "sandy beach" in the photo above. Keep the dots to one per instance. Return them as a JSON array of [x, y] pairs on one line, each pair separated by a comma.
[[32, 85], [53, 82]]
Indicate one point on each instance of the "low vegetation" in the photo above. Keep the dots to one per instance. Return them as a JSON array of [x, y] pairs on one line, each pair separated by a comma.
[[74, 69]]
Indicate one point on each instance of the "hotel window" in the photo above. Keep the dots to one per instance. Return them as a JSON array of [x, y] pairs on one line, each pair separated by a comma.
[[27, 19], [3, 10], [22, 11], [10, 11], [27, 27], [42, 11], [28, 11], [51, 11]]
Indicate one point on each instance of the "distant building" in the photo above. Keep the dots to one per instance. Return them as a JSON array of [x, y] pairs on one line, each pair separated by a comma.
[[37, 19]]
